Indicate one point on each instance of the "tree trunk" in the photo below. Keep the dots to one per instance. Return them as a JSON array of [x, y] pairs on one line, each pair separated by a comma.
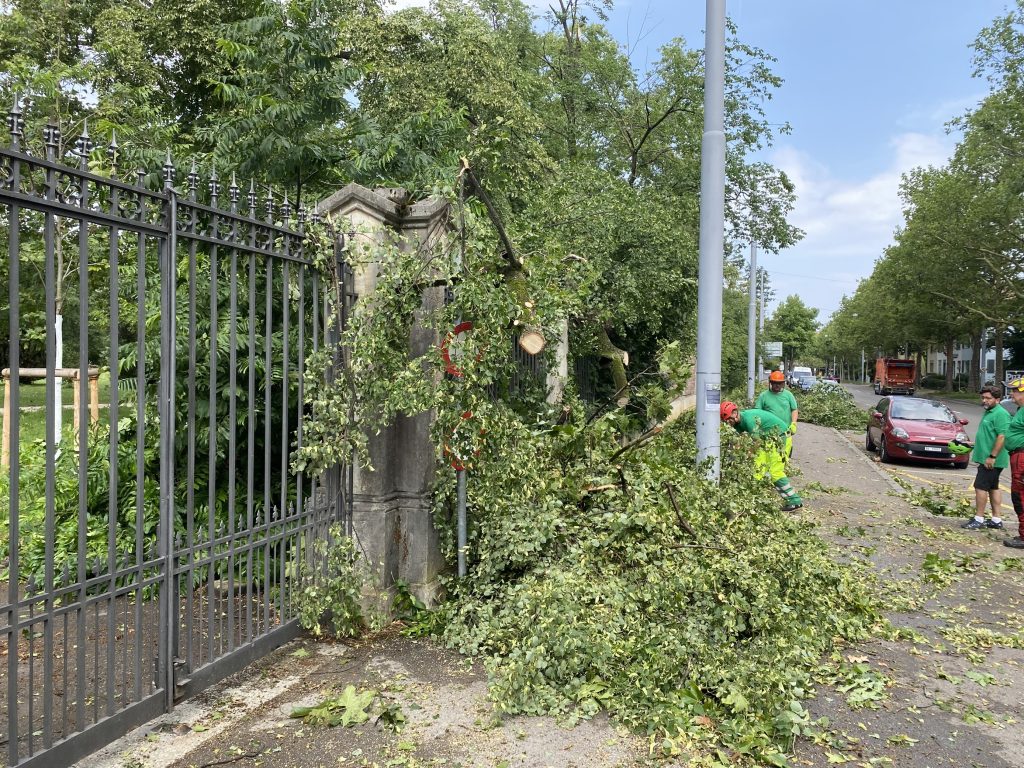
[[974, 373], [949, 365], [999, 356], [619, 359]]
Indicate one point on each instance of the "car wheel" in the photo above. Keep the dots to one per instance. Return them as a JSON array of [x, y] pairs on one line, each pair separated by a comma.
[[869, 444], [883, 453]]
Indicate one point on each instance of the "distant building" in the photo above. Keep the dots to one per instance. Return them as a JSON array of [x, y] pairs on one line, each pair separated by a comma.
[[963, 359]]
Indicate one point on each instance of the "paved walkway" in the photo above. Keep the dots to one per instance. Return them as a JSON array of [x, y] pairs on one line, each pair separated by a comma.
[[946, 693]]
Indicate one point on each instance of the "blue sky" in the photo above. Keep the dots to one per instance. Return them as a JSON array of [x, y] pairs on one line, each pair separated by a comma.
[[868, 88]]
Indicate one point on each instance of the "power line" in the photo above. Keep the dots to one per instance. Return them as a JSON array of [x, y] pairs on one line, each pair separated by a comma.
[[811, 277]]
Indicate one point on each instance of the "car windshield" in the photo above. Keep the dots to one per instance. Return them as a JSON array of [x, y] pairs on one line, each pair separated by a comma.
[[921, 410], [807, 379]]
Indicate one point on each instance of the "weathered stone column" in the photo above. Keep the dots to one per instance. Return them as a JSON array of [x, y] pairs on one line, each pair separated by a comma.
[[391, 505]]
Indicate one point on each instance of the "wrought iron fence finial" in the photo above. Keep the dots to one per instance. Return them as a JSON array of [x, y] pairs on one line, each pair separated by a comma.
[[112, 151], [169, 170], [16, 121], [214, 187], [250, 198], [193, 180], [233, 192], [51, 137], [84, 145]]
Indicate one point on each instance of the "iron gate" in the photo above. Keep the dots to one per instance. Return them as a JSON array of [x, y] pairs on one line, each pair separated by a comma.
[[156, 550]]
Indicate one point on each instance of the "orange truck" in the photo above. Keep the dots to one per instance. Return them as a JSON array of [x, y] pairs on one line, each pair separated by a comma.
[[895, 376]]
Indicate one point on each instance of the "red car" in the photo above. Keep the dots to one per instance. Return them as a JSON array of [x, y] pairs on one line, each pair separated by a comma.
[[901, 427]]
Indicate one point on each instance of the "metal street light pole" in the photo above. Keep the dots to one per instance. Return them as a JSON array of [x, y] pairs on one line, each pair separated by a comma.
[[751, 317], [712, 246]]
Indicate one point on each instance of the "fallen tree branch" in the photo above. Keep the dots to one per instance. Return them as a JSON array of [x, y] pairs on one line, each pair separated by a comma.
[[679, 514], [645, 437]]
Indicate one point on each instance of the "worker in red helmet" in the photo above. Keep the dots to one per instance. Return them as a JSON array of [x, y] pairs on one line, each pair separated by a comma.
[[773, 445], [780, 401]]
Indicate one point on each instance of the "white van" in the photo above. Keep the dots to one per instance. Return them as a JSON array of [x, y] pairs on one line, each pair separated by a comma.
[[797, 372]]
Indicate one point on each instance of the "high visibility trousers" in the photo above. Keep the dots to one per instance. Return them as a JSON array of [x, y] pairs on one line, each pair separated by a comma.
[[771, 461]]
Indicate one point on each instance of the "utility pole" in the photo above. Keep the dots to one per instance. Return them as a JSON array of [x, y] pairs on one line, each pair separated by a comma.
[[712, 246], [751, 317]]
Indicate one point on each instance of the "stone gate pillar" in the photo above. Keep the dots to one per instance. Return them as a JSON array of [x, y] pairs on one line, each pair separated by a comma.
[[391, 504]]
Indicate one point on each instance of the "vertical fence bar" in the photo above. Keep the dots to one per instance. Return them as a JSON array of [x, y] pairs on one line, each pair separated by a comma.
[[232, 436], [83, 421], [300, 478], [250, 482], [168, 277], [268, 333], [211, 522], [49, 245], [14, 465], [285, 288], [140, 459], [190, 501], [114, 444]]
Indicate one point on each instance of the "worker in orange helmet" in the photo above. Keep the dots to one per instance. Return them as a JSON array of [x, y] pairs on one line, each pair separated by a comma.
[[780, 401], [773, 445]]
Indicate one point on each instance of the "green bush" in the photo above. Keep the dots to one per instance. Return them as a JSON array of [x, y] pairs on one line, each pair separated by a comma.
[[329, 587]]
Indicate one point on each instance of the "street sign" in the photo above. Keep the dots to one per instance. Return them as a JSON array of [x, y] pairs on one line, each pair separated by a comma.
[[773, 349]]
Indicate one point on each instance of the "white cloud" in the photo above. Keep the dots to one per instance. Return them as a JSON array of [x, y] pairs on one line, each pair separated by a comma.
[[848, 222]]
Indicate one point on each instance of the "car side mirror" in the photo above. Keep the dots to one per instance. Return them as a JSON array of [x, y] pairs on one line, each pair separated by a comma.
[[965, 422], [875, 414]]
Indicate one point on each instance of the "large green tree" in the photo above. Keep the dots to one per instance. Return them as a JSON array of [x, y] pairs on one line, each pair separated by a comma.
[[794, 324]]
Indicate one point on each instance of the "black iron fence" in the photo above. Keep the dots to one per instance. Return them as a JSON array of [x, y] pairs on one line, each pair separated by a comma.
[[160, 548]]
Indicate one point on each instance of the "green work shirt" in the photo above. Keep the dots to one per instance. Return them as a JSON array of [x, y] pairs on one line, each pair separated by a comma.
[[1015, 432], [993, 424], [758, 423], [782, 404]]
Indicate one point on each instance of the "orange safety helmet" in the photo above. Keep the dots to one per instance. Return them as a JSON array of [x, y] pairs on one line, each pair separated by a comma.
[[777, 376], [727, 409]]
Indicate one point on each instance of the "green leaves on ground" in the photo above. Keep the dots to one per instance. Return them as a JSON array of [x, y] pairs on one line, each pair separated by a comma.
[[348, 708]]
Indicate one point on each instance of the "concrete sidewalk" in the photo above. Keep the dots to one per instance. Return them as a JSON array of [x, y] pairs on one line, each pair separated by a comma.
[[946, 693]]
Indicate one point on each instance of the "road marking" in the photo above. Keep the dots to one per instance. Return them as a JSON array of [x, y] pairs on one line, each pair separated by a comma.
[[933, 482]]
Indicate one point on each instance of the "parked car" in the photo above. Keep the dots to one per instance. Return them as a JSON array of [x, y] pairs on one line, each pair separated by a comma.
[[806, 383], [1009, 405], [903, 427]]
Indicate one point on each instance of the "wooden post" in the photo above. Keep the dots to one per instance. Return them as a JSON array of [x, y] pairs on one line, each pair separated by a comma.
[[75, 401], [5, 451], [94, 395]]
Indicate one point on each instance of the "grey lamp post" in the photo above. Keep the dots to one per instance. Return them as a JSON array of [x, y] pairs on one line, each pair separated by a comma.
[[712, 226]]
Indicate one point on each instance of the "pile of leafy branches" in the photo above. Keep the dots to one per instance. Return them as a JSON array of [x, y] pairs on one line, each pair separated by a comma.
[[625, 581], [829, 405]]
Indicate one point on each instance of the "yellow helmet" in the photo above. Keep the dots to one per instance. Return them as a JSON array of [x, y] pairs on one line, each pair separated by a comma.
[[1016, 385]]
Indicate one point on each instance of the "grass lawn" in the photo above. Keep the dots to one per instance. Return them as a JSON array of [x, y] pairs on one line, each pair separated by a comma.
[[33, 395]]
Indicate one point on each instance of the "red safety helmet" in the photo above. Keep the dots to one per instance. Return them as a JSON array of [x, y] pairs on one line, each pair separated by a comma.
[[777, 376], [727, 409]]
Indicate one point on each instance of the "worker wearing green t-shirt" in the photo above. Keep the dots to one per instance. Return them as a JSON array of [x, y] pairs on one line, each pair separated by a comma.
[[780, 401], [1014, 444], [992, 459], [773, 445]]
